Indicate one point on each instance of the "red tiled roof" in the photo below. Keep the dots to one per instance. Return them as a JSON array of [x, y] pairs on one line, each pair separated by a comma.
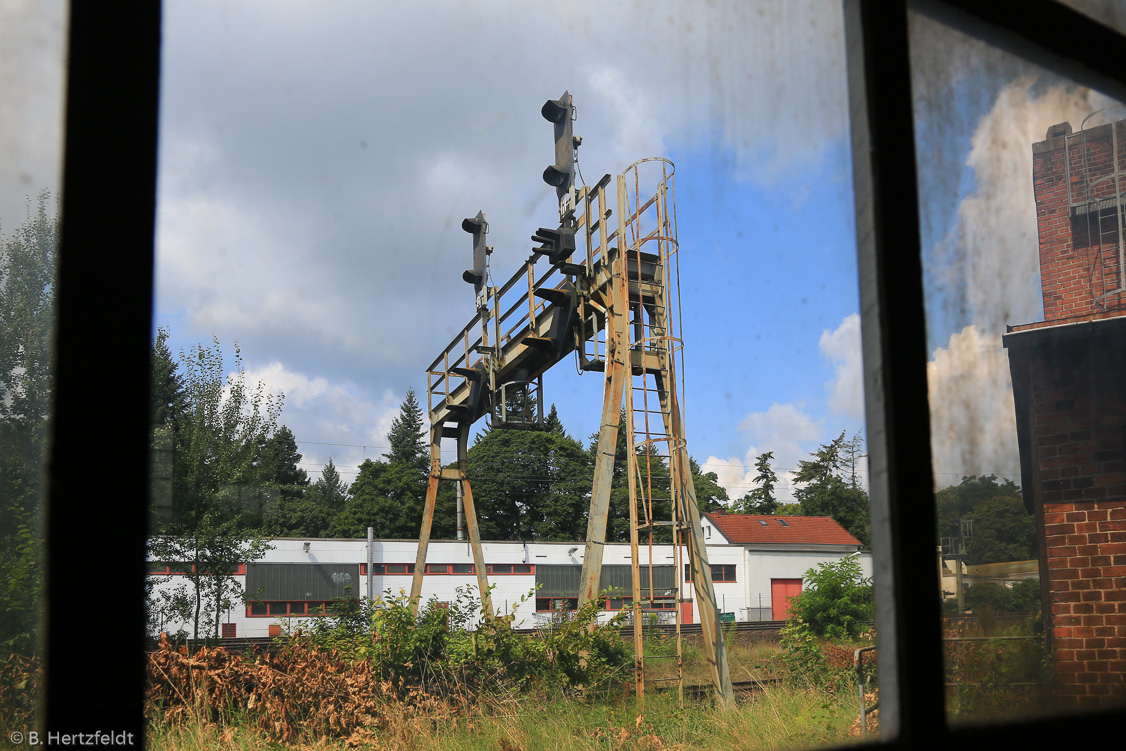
[[807, 530]]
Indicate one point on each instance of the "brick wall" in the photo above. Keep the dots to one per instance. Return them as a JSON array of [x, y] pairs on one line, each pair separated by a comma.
[[1079, 239], [1073, 382], [1086, 556], [1069, 387]]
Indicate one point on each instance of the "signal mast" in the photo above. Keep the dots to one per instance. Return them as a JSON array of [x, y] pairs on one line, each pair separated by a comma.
[[603, 283]]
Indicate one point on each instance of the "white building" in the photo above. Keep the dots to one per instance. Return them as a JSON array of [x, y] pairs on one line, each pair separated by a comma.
[[757, 563]]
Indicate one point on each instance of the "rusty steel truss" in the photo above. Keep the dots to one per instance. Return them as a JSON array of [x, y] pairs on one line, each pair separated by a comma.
[[605, 295]]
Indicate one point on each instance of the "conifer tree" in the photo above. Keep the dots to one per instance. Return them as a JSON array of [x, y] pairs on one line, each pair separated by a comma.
[[407, 437]]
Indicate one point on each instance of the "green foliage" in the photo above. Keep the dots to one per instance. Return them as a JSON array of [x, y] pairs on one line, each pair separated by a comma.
[[760, 500], [216, 462], [19, 595], [829, 486], [1003, 531], [835, 604], [277, 462], [992, 680], [801, 651], [408, 436], [27, 296], [552, 423], [445, 648], [1022, 597], [387, 496], [836, 600], [210, 555], [957, 501], [169, 400], [530, 484], [213, 448]]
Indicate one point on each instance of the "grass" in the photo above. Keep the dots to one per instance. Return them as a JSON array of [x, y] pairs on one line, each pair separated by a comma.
[[996, 679], [785, 717], [789, 715]]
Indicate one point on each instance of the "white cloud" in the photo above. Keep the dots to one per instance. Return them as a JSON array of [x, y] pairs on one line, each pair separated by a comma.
[[785, 429], [32, 43], [842, 347], [320, 411], [989, 262], [973, 424], [990, 257]]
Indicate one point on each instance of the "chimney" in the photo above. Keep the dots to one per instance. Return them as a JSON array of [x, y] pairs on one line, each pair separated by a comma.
[[1078, 200]]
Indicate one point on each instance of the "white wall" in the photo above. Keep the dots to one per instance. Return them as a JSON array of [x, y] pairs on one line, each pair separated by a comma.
[[754, 570]]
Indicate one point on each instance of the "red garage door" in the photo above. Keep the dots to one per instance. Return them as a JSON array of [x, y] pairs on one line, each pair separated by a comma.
[[781, 590]]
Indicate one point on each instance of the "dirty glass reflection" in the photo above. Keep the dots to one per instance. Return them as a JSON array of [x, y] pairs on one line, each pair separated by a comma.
[[1022, 198]]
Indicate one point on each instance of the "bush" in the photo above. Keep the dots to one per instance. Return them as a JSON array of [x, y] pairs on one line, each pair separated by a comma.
[[445, 650], [836, 601], [1022, 597]]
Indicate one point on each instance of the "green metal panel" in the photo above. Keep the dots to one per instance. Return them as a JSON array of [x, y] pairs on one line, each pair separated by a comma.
[[562, 580], [302, 581]]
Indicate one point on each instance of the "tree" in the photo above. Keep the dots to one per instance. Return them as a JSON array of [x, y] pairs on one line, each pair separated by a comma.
[[760, 500], [530, 484], [829, 487], [314, 512], [1002, 531], [278, 461], [552, 423], [216, 451], [407, 436], [1022, 597], [710, 495], [169, 400], [385, 496], [329, 491], [212, 454], [209, 558], [27, 295]]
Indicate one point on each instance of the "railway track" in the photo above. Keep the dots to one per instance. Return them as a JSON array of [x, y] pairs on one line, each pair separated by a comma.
[[741, 688]]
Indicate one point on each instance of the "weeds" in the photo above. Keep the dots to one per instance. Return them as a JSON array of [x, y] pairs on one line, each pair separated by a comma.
[[992, 674], [20, 680]]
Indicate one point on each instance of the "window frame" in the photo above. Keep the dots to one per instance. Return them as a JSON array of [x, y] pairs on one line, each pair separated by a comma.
[[893, 324], [102, 347]]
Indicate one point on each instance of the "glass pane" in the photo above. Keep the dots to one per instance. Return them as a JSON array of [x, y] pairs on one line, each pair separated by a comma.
[[1022, 197], [32, 79], [1108, 12]]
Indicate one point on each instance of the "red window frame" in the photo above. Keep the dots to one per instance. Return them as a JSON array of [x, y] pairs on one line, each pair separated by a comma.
[[156, 568], [440, 569], [511, 569], [286, 609], [548, 604], [722, 573]]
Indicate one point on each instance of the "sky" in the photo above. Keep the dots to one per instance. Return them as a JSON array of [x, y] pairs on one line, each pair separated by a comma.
[[316, 161]]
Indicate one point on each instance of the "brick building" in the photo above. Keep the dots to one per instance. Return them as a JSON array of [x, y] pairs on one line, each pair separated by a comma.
[[1069, 387]]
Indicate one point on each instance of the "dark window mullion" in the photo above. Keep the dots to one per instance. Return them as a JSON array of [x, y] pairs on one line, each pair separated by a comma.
[[912, 704], [101, 369]]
